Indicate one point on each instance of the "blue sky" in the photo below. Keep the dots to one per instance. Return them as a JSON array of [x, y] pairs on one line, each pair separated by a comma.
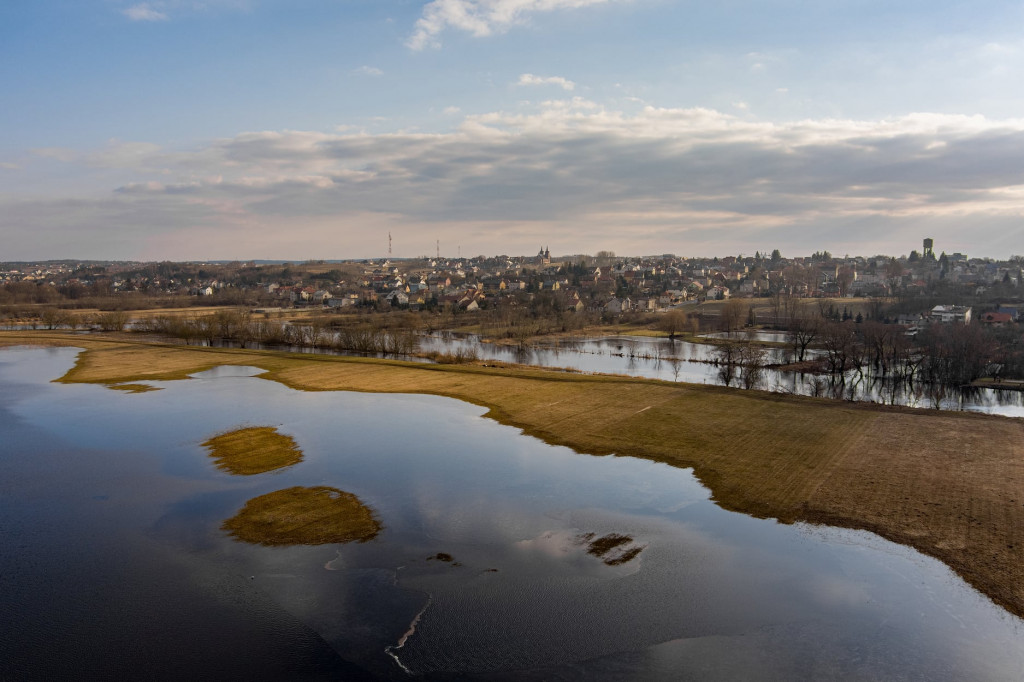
[[192, 129]]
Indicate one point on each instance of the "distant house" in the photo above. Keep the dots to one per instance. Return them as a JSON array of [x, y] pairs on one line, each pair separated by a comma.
[[716, 293], [494, 284], [447, 302], [398, 298], [1010, 310], [346, 301], [617, 306], [910, 320], [996, 319], [950, 313]]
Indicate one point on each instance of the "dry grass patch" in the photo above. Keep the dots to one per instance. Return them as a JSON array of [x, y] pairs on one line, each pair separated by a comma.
[[122, 363], [303, 516], [133, 388], [253, 450]]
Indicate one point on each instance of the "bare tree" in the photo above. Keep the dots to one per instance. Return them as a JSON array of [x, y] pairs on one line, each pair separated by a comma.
[[876, 342], [675, 363], [732, 314], [839, 341], [804, 328], [752, 361], [726, 356], [777, 302], [113, 321], [55, 317], [673, 322]]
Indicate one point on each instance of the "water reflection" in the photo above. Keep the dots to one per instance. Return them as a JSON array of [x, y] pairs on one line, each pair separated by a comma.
[[660, 358], [123, 483], [612, 549]]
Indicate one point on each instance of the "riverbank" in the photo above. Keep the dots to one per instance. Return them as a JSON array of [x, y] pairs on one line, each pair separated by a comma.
[[947, 484]]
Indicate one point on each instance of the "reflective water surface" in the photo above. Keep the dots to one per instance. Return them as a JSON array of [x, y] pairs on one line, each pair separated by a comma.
[[660, 358], [500, 557]]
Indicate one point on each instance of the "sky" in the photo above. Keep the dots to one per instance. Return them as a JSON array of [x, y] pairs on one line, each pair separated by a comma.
[[313, 129]]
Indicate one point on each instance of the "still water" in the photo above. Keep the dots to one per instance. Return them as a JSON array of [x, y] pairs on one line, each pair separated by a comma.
[[659, 358], [114, 563]]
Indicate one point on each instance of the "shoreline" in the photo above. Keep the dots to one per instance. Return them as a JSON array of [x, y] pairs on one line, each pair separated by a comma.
[[945, 483]]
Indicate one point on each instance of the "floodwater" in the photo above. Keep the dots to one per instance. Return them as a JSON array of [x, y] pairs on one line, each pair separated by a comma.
[[490, 564], [659, 358]]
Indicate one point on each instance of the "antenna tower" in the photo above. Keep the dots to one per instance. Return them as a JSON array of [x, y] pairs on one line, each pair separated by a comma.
[[389, 245], [438, 249]]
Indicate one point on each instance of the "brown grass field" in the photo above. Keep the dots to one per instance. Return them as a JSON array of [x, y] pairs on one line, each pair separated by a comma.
[[949, 484], [252, 450], [303, 516]]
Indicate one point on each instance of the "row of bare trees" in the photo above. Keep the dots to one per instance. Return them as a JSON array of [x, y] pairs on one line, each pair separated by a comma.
[[239, 327], [57, 318], [522, 320], [946, 354], [741, 362], [938, 357]]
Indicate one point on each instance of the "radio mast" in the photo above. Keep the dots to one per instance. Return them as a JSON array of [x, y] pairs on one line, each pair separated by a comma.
[[389, 245]]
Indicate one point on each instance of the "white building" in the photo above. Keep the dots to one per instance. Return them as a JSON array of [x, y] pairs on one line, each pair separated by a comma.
[[950, 313]]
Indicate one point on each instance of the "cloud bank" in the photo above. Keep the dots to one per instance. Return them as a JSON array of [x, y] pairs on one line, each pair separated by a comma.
[[571, 173]]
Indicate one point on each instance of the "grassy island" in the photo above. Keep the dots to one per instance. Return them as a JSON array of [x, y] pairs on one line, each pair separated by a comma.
[[253, 450], [303, 516], [949, 484]]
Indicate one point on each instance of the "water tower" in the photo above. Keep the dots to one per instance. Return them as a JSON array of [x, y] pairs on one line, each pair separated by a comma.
[[928, 251]]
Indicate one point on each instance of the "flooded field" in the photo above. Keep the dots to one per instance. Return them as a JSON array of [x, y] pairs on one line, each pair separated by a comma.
[[660, 358], [457, 547]]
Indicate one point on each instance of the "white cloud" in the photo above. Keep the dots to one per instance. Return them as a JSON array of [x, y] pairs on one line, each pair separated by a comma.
[[659, 180], [368, 71], [144, 12], [451, 111], [481, 17], [530, 79]]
